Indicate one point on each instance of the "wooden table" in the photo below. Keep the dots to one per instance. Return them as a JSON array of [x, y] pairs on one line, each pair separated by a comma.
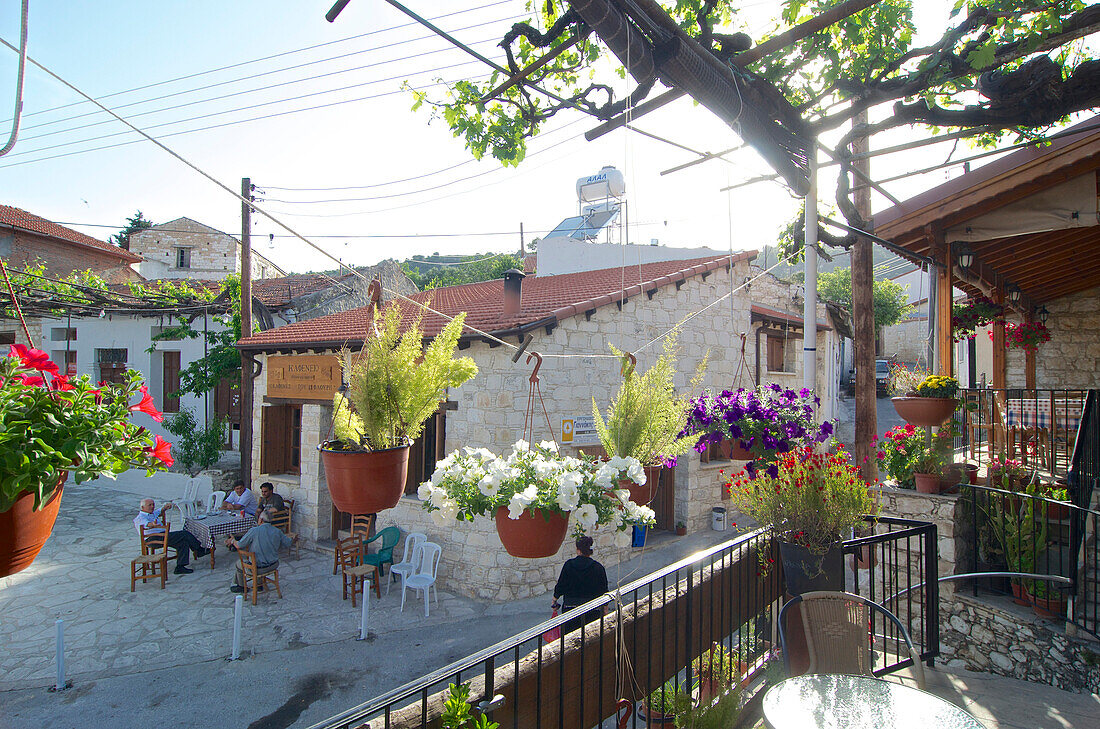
[[209, 528], [831, 701]]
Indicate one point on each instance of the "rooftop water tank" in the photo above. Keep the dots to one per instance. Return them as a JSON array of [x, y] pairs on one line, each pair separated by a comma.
[[608, 182]]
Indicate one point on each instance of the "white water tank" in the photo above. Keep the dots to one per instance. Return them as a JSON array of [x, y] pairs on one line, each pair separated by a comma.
[[608, 182]]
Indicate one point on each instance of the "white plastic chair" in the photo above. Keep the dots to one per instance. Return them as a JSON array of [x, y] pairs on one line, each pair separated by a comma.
[[214, 501], [426, 559], [405, 566]]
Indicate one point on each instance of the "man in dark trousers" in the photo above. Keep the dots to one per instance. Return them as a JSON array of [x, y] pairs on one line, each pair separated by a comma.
[[183, 542], [582, 579]]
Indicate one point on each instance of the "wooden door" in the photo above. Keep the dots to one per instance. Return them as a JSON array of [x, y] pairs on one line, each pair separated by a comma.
[[274, 457], [170, 382], [664, 502]]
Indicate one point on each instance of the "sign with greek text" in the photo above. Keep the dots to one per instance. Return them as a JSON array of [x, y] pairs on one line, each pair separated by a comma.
[[579, 431], [303, 377]]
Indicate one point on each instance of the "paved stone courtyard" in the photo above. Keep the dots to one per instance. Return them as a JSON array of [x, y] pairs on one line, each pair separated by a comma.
[[154, 656]]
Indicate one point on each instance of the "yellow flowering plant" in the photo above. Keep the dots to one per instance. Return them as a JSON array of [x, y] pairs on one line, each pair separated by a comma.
[[938, 386]]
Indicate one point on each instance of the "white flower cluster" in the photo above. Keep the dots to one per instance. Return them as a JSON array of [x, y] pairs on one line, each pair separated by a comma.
[[476, 482]]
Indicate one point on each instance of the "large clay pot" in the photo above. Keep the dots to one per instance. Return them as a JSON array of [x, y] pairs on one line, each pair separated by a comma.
[[805, 571], [927, 483], [925, 412], [24, 531], [365, 483], [1048, 607], [532, 535]]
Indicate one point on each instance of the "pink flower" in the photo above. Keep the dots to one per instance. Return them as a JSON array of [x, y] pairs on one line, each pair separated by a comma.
[[162, 451], [146, 405], [34, 359]]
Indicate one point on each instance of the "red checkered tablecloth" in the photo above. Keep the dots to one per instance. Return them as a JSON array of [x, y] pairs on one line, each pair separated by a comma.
[[209, 528], [1023, 413]]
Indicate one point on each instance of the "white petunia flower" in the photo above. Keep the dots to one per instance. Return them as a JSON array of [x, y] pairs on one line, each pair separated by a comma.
[[520, 501], [549, 445], [521, 446], [587, 516], [544, 468], [489, 484], [568, 497], [636, 473], [618, 463], [623, 496], [424, 492]]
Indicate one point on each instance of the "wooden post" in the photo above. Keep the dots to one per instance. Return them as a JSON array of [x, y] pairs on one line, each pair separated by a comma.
[[1000, 435], [863, 321], [944, 344], [246, 330], [1029, 360]]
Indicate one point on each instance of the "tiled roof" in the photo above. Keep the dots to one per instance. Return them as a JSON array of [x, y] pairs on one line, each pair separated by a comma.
[[546, 300], [783, 317], [22, 219], [281, 291]]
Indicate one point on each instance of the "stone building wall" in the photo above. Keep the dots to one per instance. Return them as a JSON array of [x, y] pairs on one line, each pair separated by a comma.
[[1071, 359], [214, 254], [907, 340]]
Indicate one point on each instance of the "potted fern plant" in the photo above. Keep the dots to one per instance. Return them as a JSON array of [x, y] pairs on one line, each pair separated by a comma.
[[394, 384], [646, 418]]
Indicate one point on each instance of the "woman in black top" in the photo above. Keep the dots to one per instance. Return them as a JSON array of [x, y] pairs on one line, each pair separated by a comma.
[[582, 579]]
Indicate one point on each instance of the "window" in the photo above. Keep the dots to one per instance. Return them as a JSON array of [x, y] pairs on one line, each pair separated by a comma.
[[282, 439], [61, 334], [170, 382], [183, 258], [7, 337], [112, 364]]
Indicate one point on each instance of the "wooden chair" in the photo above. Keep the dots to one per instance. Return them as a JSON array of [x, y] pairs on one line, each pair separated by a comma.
[[281, 521], [353, 576], [253, 579], [154, 557], [347, 553], [158, 544], [360, 526]]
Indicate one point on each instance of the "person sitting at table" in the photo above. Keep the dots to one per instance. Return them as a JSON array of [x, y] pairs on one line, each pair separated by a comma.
[[263, 540], [240, 499], [183, 542], [268, 497]]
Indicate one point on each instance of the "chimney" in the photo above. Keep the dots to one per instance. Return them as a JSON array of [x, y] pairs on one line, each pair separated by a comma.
[[513, 288]]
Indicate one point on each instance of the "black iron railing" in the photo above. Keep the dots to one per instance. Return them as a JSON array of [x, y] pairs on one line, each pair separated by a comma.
[[896, 564], [1017, 533], [648, 635], [1084, 475], [1038, 427]]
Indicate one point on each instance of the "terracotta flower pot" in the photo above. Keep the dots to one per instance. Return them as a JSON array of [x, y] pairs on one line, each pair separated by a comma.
[[532, 535], [972, 474], [927, 483], [1048, 607], [1057, 510], [365, 483], [24, 531], [925, 412], [1019, 594]]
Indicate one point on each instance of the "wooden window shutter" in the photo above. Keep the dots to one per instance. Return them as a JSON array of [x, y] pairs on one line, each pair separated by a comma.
[[276, 429], [775, 354], [171, 382]]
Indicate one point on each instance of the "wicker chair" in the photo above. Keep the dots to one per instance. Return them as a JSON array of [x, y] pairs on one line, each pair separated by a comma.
[[837, 626]]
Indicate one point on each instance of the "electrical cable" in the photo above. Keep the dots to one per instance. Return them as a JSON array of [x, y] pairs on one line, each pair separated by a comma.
[[265, 58]]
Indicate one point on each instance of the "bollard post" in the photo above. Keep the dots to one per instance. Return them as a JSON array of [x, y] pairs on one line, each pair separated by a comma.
[[60, 685], [366, 611], [238, 609]]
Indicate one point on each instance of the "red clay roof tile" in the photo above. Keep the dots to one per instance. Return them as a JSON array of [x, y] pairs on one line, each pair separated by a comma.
[[546, 299], [27, 221]]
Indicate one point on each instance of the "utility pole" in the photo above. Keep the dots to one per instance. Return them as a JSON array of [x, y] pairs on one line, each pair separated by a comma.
[[863, 316], [809, 306], [246, 330], [522, 247]]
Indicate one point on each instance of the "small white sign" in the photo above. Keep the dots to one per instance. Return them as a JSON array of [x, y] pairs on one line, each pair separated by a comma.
[[579, 431]]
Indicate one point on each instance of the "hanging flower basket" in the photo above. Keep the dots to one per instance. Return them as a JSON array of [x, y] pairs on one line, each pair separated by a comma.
[[24, 531], [533, 534], [925, 412], [975, 312], [1027, 336], [365, 482]]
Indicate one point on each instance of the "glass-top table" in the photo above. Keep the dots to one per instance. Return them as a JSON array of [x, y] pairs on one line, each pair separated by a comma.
[[830, 701]]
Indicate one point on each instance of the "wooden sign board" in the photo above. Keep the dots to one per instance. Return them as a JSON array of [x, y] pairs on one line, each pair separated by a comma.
[[303, 377]]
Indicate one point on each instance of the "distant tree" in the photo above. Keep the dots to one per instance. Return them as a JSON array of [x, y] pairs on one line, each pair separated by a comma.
[[889, 296], [134, 223], [477, 267]]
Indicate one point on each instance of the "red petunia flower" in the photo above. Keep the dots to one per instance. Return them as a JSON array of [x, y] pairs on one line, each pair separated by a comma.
[[32, 381], [162, 451], [146, 405], [61, 382], [34, 359]]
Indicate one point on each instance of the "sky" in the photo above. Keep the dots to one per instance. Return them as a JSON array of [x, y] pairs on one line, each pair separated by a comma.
[[275, 93]]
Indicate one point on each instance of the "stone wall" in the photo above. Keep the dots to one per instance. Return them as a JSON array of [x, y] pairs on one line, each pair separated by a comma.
[[214, 254], [1071, 359], [989, 633], [998, 637], [907, 340]]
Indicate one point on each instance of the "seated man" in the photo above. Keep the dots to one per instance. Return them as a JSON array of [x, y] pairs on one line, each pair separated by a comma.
[[263, 540], [268, 497], [183, 542], [240, 499]]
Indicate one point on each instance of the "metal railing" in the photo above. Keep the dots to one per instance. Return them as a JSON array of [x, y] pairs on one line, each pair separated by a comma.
[[1013, 534], [896, 564], [648, 634], [1084, 474], [1038, 427]]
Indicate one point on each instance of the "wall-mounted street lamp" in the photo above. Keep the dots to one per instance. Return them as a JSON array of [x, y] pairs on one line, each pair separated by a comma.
[[1041, 313], [1014, 293], [965, 257]]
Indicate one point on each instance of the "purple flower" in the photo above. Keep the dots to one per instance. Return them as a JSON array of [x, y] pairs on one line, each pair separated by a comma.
[[772, 470], [804, 392]]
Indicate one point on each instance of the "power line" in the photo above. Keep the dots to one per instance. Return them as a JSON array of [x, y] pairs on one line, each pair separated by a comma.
[[239, 121], [243, 92], [247, 107], [265, 58]]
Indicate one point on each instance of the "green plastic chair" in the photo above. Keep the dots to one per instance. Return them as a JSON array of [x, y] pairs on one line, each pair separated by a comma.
[[384, 555]]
